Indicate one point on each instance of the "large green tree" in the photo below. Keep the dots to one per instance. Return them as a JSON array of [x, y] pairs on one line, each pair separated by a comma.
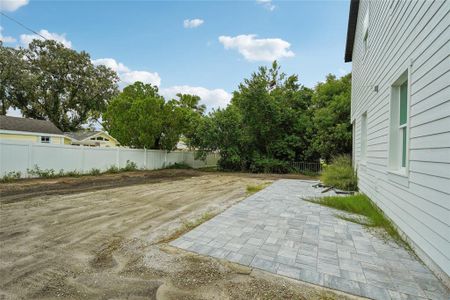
[[56, 83], [135, 117], [331, 105], [266, 124], [12, 76], [139, 117]]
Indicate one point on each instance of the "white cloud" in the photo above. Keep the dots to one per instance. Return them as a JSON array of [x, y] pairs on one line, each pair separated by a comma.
[[267, 4], [188, 23], [111, 63], [143, 76], [254, 49], [14, 112], [128, 76], [12, 5], [211, 98], [25, 39], [6, 39]]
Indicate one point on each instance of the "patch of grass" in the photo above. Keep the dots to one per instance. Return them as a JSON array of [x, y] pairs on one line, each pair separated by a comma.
[[251, 189], [340, 174], [188, 226], [11, 176], [42, 173], [361, 205]]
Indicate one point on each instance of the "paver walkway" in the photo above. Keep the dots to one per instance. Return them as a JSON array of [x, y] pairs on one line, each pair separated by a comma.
[[274, 230]]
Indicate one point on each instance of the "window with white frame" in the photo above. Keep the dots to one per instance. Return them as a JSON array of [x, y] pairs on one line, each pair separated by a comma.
[[364, 136], [45, 139], [398, 148]]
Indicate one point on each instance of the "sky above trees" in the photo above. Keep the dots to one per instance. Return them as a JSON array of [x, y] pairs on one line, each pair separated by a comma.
[[195, 47]]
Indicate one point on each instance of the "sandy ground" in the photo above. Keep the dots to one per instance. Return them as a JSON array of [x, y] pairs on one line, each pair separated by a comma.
[[86, 238]]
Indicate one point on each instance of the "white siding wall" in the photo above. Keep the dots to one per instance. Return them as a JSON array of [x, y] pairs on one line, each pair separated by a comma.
[[414, 36]]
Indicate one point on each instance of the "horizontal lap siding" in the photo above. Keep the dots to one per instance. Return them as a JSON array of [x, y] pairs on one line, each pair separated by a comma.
[[406, 34]]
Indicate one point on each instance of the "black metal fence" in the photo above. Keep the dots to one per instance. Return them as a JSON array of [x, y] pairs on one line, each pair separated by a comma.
[[306, 167]]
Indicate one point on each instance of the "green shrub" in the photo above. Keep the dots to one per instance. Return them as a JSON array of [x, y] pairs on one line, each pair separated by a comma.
[[94, 172], [11, 176], [269, 165], [112, 170], [178, 166], [43, 173], [340, 174], [74, 173], [130, 166]]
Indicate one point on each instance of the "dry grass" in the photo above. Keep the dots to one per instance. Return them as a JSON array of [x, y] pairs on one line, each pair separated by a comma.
[[188, 226], [251, 189]]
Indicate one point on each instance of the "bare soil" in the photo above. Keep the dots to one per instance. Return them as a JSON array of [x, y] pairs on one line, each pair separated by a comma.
[[100, 237]]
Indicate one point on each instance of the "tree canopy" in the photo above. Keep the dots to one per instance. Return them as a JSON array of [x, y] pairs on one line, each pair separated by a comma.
[[49, 81], [139, 117], [272, 120]]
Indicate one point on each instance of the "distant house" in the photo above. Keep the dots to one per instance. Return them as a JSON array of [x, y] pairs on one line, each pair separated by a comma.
[[92, 139], [31, 130], [400, 113]]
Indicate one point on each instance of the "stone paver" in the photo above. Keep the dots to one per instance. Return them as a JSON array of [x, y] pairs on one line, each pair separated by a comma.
[[276, 231]]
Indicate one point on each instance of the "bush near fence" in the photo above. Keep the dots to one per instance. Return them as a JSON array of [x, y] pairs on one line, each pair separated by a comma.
[[21, 157]]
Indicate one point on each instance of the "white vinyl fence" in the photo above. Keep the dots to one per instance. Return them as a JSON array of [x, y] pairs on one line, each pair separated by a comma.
[[18, 156]]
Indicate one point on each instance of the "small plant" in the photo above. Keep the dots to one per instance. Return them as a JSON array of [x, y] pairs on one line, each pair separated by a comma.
[[43, 173], [94, 172], [11, 176], [340, 174], [112, 170], [130, 166]]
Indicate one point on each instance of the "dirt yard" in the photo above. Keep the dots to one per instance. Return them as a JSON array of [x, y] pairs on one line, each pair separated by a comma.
[[105, 237]]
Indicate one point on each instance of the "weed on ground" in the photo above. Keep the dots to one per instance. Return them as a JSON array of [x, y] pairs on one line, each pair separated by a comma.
[[361, 205], [188, 226], [251, 189]]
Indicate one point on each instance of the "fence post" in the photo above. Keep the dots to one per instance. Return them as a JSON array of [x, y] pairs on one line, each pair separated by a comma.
[[145, 158], [118, 158], [83, 159], [30, 156]]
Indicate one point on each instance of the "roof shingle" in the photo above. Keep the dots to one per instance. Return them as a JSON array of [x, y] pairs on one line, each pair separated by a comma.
[[28, 125]]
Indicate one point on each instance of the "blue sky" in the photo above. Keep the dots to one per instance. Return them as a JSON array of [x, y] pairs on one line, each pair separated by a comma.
[[221, 43]]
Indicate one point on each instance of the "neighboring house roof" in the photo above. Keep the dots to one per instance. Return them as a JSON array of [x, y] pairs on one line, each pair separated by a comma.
[[81, 135], [86, 134], [351, 29], [28, 125]]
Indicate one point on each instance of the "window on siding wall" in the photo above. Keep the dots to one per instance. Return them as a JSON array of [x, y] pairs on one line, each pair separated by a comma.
[[398, 149], [45, 139], [364, 136]]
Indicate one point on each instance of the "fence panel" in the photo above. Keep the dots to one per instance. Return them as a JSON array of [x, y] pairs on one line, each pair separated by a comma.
[[136, 156], [19, 156], [306, 167]]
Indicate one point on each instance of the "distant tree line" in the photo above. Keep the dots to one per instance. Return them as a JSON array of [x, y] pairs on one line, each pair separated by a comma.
[[271, 120]]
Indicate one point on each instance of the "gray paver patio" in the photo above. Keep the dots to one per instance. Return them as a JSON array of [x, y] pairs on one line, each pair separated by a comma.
[[274, 230]]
